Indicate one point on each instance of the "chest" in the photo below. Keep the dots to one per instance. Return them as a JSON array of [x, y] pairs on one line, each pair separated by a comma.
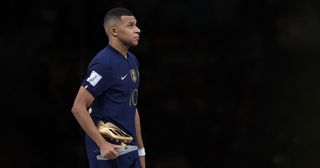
[[126, 76]]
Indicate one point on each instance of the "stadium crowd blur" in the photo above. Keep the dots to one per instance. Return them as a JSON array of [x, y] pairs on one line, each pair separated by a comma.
[[224, 83]]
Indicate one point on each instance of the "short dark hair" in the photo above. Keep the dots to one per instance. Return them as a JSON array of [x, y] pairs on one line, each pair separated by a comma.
[[115, 14]]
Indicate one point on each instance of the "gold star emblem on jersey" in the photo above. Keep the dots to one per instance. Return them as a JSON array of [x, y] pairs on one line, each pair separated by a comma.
[[133, 75]]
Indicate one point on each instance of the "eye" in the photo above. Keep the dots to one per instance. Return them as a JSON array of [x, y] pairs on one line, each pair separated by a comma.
[[131, 25]]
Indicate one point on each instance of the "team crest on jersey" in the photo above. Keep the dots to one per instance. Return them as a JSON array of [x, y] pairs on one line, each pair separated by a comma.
[[133, 75]]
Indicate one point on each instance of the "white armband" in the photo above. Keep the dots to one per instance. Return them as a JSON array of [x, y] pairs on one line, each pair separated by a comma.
[[141, 152]]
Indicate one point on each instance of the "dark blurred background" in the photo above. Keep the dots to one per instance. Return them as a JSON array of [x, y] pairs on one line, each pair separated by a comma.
[[224, 83]]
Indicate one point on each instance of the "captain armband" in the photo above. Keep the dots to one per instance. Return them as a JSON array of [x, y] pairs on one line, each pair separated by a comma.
[[141, 152]]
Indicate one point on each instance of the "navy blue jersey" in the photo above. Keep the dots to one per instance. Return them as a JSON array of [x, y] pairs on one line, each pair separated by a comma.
[[113, 81]]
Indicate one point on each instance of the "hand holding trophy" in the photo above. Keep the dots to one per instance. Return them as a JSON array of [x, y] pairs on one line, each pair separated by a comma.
[[112, 132]]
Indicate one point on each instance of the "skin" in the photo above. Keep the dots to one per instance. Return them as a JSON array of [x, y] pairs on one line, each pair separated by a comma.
[[139, 139], [122, 35]]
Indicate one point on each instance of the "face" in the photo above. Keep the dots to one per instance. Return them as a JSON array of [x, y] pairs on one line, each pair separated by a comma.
[[127, 30]]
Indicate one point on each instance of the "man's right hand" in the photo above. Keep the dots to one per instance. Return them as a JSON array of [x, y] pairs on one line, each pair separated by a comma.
[[108, 150]]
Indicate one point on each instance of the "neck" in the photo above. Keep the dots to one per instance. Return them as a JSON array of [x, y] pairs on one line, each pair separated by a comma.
[[120, 47]]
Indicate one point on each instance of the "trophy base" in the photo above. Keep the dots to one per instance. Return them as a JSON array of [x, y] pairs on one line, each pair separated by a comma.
[[121, 151]]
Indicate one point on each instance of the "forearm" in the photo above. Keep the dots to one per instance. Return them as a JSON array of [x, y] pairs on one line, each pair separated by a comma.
[[82, 116], [138, 131], [140, 144]]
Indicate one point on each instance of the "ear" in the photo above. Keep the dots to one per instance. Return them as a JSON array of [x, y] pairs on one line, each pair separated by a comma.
[[113, 31]]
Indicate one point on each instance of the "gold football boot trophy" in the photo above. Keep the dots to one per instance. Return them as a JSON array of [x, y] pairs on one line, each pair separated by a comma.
[[110, 131], [114, 133]]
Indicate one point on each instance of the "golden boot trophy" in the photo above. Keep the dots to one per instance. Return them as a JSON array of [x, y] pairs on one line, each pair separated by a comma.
[[112, 132]]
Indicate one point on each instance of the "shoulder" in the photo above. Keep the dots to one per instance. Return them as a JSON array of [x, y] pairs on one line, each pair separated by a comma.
[[102, 58]]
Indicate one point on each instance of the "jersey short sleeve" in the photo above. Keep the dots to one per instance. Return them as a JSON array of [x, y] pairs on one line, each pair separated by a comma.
[[99, 76]]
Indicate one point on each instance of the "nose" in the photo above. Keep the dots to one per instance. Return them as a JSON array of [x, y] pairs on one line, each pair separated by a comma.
[[137, 29]]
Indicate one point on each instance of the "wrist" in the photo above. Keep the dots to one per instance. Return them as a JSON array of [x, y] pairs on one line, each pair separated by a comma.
[[141, 151], [102, 142]]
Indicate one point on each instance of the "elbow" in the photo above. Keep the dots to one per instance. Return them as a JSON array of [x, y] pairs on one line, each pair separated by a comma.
[[74, 109]]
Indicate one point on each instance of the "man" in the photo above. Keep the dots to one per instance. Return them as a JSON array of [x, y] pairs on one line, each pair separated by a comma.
[[110, 89]]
